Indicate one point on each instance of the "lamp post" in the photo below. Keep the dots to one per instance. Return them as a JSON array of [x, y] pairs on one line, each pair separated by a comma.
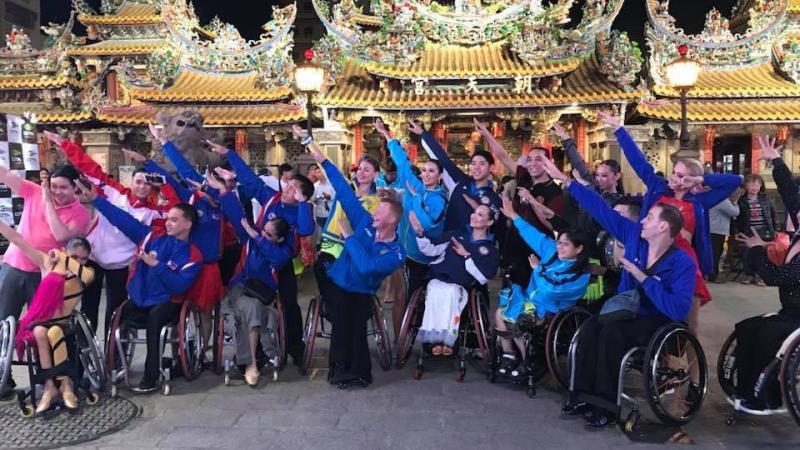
[[682, 75], [308, 77]]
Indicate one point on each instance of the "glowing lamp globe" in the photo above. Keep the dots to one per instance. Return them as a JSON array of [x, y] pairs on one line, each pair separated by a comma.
[[682, 72]]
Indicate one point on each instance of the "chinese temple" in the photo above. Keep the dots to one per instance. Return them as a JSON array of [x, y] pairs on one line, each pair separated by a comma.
[[518, 64], [747, 86]]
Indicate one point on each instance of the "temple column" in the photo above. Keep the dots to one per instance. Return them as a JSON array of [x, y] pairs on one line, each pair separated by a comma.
[[103, 145]]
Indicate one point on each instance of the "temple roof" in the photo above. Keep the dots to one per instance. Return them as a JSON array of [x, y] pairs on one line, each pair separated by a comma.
[[129, 13], [46, 114], [584, 85], [492, 60], [717, 111], [213, 115], [33, 81], [118, 47], [752, 81], [192, 86]]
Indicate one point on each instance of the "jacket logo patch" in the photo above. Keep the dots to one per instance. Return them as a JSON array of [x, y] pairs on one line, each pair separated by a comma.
[[384, 251], [483, 250], [171, 265], [485, 200], [271, 216], [200, 213]]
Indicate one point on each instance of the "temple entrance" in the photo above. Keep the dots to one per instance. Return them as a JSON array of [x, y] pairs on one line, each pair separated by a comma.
[[732, 154]]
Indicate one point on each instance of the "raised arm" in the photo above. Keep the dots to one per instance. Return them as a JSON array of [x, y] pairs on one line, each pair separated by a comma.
[[543, 245], [13, 236], [234, 213], [496, 148], [252, 186], [11, 180], [405, 175], [435, 151], [183, 193], [182, 166], [620, 227], [573, 155], [431, 211], [127, 224], [62, 232]]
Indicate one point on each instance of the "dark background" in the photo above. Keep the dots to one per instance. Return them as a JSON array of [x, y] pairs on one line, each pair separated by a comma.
[[249, 15]]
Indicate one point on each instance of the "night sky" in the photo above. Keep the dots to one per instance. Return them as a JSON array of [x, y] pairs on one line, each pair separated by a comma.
[[249, 15]]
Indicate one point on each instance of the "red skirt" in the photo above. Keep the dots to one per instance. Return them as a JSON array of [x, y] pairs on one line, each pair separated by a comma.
[[700, 288], [206, 291]]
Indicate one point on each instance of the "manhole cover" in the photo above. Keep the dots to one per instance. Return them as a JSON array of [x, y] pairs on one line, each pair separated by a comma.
[[91, 422]]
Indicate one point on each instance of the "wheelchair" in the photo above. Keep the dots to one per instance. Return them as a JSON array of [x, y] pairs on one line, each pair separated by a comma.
[[184, 337], [84, 364], [473, 332], [546, 343], [785, 366], [315, 327], [225, 342], [675, 375]]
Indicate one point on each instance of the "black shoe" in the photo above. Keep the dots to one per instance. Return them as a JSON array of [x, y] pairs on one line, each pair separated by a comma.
[[600, 419], [145, 387], [576, 410], [7, 391], [360, 382]]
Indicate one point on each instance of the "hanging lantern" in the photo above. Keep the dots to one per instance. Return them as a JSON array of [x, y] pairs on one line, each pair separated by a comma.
[[240, 140]]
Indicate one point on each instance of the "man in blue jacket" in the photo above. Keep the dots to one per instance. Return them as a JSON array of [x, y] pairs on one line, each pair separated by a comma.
[[168, 265], [292, 206], [371, 252], [662, 274]]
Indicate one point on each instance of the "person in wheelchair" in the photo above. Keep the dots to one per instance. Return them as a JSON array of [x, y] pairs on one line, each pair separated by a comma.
[[43, 326], [759, 338], [654, 270], [168, 264], [461, 260], [557, 283], [371, 252], [252, 288]]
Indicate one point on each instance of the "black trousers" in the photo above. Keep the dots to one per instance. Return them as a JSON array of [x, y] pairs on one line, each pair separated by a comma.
[[116, 280], [154, 318], [348, 313], [417, 275], [227, 263], [287, 288], [758, 340], [601, 349], [717, 244]]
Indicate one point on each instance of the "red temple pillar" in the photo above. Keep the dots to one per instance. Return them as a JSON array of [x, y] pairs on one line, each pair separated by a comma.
[[411, 150], [708, 144], [581, 140], [358, 142], [755, 154], [240, 141]]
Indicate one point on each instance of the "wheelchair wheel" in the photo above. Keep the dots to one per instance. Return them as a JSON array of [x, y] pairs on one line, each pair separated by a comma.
[[790, 379], [382, 346], [281, 332], [726, 366], [479, 315], [7, 332], [310, 332], [558, 338], [675, 373], [409, 327], [90, 352], [219, 339], [190, 341], [111, 340]]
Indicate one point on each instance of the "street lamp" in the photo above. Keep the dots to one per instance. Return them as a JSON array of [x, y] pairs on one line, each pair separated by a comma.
[[308, 77], [682, 75]]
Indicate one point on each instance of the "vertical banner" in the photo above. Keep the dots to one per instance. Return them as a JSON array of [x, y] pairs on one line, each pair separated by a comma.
[[581, 139], [240, 141], [358, 142], [708, 145], [755, 154], [19, 151]]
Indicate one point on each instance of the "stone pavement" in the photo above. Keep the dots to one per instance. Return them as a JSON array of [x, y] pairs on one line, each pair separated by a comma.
[[398, 412]]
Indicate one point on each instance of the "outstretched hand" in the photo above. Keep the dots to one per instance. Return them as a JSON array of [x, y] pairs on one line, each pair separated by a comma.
[[219, 149], [769, 150], [480, 127], [316, 153], [134, 156], [560, 131], [55, 138], [158, 133], [248, 229], [214, 183], [416, 225], [459, 248], [577, 175], [508, 208], [380, 127], [553, 171], [609, 120], [471, 201], [754, 240], [87, 191], [633, 269], [415, 127]]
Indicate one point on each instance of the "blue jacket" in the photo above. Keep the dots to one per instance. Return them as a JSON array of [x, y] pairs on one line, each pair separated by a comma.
[[207, 233], [669, 288], [364, 263], [300, 216], [458, 210], [179, 261], [451, 267], [722, 186], [428, 204], [261, 259], [553, 286]]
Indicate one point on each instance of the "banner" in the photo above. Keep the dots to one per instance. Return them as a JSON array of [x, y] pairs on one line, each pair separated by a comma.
[[19, 152]]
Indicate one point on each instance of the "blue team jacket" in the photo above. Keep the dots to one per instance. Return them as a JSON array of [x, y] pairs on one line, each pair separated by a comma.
[[300, 217], [669, 289], [428, 204], [179, 261], [208, 231], [261, 259], [458, 210], [722, 186], [364, 263]]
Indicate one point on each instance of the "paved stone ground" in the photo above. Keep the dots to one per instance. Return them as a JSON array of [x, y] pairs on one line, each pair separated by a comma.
[[436, 412]]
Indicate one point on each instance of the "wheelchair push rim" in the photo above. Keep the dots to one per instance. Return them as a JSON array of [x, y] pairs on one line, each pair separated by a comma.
[[409, 327], [790, 380], [310, 333], [675, 371], [7, 333], [726, 366], [382, 348], [557, 342], [90, 352], [481, 326], [190, 342]]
